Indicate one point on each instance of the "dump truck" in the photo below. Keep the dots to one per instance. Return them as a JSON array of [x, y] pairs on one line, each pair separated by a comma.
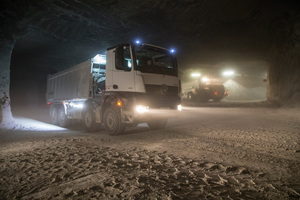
[[204, 93], [130, 84]]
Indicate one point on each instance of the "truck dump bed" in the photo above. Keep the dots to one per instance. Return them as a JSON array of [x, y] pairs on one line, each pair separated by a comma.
[[70, 84]]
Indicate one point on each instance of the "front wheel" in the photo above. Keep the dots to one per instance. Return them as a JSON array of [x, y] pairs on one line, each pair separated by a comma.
[[112, 121], [157, 124]]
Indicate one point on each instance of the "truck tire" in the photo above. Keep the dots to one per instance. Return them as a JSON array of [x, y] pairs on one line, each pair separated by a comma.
[[89, 120], [157, 124], [112, 121], [63, 120], [53, 114]]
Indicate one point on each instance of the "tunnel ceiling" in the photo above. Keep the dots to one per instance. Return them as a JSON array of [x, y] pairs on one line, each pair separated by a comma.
[[60, 32]]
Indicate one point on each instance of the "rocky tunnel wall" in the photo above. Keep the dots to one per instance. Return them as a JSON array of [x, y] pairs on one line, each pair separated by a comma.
[[284, 62], [5, 56]]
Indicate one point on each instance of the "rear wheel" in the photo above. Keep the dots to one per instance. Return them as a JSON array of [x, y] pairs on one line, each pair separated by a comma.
[[112, 121], [89, 120], [62, 117], [53, 114], [157, 124]]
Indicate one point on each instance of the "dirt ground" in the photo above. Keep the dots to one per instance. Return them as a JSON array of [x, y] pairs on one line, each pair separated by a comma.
[[204, 153]]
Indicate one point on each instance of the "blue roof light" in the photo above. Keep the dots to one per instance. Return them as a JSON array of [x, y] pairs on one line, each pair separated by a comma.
[[172, 50], [137, 41]]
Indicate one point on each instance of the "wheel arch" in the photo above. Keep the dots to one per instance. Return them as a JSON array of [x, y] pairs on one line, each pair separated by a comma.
[[111, 101], [89, 104]]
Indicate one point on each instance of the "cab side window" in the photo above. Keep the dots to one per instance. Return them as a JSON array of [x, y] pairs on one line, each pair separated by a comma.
[[127, 58], [123, 58]]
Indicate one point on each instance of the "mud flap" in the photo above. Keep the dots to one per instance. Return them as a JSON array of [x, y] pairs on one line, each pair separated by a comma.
[[98, 116]]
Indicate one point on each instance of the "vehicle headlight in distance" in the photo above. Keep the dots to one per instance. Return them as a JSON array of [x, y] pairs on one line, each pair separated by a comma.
[[141, 108], [179, 108]]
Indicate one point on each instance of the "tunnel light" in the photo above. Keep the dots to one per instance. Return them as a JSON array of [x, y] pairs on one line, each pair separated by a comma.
[[99, 59], [228, 73], [195, 74], [141, 108], [205, 79]]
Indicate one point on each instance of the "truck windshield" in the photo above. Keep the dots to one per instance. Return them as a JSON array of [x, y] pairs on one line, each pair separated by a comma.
[[155, 60]]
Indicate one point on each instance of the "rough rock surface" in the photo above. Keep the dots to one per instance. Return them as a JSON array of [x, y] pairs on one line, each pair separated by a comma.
[[205, 153]]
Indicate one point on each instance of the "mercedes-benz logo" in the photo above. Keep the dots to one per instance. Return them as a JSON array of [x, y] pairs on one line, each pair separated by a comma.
[[164, 89]]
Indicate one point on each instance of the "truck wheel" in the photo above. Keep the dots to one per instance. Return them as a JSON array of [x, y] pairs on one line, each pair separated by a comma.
[[63, 120], [53, 114], [112, 121], [157, 124], [89, 121]]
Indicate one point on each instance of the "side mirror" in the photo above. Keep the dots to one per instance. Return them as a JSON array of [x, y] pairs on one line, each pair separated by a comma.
[[119, 58]]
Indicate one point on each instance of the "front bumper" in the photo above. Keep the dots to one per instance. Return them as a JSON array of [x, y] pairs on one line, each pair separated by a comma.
[[132, 116]]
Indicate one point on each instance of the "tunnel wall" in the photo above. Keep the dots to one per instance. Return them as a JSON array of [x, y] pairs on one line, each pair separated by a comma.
[[284, 65], [12, 26], [6, 48]]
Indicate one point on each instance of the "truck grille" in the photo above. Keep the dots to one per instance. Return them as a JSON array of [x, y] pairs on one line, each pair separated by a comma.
[[159, 96], [162, 90]]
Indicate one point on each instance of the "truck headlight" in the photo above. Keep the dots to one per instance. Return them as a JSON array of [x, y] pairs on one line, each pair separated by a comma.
[[179, 108], [141, 109]]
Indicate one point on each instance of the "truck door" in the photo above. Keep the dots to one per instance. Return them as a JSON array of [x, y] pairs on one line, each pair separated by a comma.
[[119, 69]]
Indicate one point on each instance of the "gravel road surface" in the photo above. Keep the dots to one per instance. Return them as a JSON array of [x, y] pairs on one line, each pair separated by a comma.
[[204, 153]]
